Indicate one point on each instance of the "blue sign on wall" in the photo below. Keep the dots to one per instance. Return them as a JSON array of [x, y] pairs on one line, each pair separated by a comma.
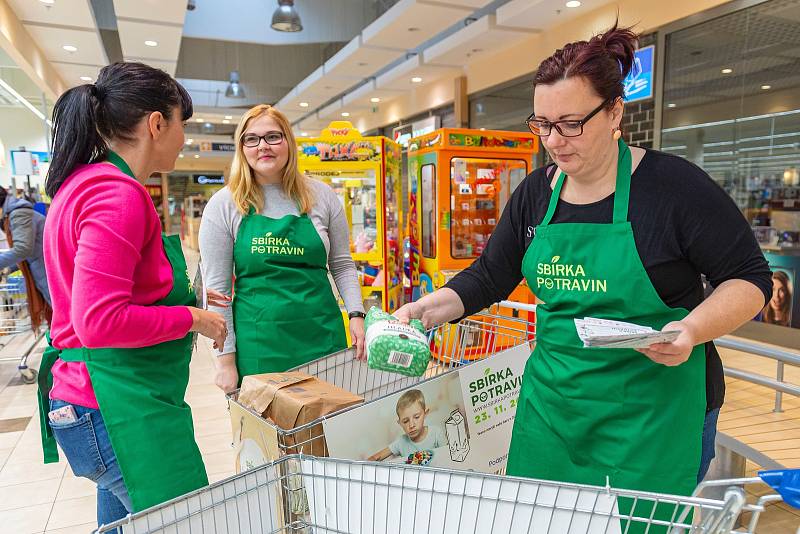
[[639, 83], [209, 179]]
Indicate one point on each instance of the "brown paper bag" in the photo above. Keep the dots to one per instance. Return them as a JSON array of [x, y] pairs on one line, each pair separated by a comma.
[[291, 400]]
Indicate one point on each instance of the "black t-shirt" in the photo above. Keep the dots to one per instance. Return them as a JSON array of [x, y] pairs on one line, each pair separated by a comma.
[[684, 226]]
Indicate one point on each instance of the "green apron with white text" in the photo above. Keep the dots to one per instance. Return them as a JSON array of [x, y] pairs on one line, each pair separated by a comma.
[[585, 414], [284, 310], [141, 393]]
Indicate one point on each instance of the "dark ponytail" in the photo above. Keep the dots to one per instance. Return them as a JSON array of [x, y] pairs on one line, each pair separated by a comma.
[[87, 117], [604, 61], [75, 136]]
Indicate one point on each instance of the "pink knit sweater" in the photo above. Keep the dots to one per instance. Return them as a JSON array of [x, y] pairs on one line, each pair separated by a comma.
[[105, 265]]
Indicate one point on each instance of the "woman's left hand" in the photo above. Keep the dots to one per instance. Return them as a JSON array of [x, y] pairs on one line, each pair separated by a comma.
[[677, 352], [215, 298], [357, 336]]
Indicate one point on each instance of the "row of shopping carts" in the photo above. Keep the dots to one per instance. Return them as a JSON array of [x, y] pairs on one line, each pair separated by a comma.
[[16, 332], [304, 492], [371, 498]]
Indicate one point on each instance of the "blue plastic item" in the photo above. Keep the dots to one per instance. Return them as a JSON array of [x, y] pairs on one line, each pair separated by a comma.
[[786, 482], [40, 207], [16, 284]]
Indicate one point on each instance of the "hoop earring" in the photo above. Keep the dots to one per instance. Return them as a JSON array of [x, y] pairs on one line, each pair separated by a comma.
[[617, 134]]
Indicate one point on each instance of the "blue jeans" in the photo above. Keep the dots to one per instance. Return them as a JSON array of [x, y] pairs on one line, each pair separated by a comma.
[[87, 447], [709, 438]]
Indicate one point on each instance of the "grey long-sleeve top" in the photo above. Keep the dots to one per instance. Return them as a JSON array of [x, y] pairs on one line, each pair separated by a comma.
[[220, 224], [27, 228]]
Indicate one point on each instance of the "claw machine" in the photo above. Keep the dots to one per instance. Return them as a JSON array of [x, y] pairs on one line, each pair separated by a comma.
[[365, 173], [459, 182]]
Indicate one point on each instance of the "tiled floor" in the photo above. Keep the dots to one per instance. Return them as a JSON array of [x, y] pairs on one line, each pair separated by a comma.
[[37, 498]]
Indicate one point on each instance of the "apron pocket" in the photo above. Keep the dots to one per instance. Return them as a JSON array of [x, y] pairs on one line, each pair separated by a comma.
[[79, 443]]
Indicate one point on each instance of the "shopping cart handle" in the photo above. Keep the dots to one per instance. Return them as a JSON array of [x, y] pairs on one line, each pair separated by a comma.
[[786, 482]]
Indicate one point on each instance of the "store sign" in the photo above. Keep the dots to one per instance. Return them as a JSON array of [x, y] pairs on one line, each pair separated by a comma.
[[494, 141], [339, 132], [425, 126], [208, 179], [348, 151], [402, 134], [27, 163], [639, 82], [208, 146]]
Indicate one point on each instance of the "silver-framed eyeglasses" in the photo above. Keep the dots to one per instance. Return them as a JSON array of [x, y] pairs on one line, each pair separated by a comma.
[[567, 128], [271, 138]]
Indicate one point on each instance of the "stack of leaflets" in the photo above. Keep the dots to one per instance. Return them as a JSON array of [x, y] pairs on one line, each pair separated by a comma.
[[602, 333]]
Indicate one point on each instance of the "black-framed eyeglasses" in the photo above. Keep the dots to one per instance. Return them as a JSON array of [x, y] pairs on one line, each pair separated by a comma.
[[271, 138], [567, 128]]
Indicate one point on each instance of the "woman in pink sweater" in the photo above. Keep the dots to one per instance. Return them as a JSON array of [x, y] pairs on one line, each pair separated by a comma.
[[123, 307]]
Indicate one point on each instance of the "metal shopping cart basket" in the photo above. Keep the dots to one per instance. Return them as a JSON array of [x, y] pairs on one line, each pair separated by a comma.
[[376, 498], [454, 345], [16, 321]]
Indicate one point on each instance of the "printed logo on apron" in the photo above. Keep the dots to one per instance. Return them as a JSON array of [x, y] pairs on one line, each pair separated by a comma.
[[567, 277]]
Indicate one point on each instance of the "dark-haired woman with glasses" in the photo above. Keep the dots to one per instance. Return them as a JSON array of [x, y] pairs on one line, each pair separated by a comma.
[[112, 385], [278, 233], [620, 233]]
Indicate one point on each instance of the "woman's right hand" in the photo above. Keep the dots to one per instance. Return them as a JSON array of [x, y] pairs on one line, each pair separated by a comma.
[[210, 324], [227, 377], [406, 312], [433, 309]]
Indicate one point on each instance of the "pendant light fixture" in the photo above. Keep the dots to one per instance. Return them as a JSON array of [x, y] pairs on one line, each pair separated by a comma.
[[234, 89], [286, 18]]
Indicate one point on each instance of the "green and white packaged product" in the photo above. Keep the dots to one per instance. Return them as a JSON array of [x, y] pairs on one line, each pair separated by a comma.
[[394, 346]]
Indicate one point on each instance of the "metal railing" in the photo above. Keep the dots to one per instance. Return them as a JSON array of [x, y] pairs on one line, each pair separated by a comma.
[[781, 357]]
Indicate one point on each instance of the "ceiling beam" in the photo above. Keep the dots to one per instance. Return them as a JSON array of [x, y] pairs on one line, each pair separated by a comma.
[[20, 46]]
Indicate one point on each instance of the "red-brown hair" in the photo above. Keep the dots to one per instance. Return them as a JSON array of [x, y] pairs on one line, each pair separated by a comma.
[[604, 61]]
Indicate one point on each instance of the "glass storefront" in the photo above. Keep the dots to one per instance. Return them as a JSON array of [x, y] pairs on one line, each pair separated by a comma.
[[505, 107], [731, 104]]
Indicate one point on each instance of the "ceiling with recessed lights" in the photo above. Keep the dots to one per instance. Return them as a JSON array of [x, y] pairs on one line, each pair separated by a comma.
[[742, 54], [731, 93], [351, 56], [65, 30]]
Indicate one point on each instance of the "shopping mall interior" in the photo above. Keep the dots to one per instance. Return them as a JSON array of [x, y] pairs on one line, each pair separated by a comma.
[[413, 112]]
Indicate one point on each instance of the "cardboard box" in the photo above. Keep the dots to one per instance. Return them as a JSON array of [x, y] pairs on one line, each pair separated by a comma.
[[254, 440], [291, 400]]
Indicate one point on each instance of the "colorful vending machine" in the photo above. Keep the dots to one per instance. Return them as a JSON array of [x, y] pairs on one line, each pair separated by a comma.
[[365, 173], [459, 182]]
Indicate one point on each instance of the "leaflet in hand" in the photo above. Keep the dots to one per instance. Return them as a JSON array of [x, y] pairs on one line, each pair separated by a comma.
[[602, 333]]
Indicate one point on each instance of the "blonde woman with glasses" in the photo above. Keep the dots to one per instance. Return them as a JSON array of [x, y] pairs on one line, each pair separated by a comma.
[[271, 236]]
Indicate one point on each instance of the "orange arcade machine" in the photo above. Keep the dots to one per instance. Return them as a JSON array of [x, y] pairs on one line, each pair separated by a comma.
[[459, 183]]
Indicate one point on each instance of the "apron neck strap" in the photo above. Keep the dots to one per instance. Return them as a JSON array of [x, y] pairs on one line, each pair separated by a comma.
[[551, 208], [622, 191], [117, 161]]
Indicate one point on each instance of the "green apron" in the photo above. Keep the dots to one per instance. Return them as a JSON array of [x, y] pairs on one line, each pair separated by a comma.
[[284, 310], [141, 392], [586, 414]]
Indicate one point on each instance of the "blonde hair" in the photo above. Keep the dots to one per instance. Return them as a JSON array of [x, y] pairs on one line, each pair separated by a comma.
[[245, 190], [408, 398]]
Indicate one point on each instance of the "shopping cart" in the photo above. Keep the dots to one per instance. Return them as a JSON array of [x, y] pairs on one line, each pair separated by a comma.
[[375, 498], [16, 321], [488, 330], [478, 343]]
